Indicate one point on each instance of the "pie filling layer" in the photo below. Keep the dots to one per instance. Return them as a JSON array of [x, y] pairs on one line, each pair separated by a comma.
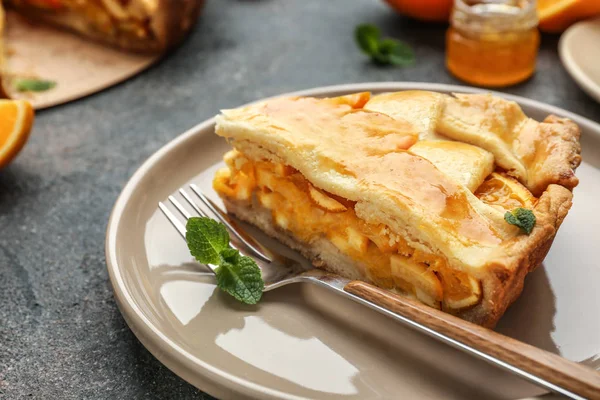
[[111, 18], [308, 214]]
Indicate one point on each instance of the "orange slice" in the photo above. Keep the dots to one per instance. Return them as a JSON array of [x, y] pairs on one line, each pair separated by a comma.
[[323, 201], [16, 118], [460, 289], [558, 15], [427, 286], [505, 193]]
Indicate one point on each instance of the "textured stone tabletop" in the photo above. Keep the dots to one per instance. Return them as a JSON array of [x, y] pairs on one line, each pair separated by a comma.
[[61, 334]]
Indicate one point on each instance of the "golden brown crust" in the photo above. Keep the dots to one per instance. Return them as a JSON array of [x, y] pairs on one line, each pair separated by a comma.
[[172, 22], [487, 121], [523, 254], [420, 107], [551, 152], [538, 154]]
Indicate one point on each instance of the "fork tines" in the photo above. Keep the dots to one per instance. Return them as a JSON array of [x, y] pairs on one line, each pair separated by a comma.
[[215, 212]]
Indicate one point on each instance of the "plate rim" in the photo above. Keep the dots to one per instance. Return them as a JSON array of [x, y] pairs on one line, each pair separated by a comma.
[[565, 53], [218, 382]]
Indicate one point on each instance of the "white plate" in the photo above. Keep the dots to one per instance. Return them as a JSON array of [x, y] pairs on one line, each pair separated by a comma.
[[579, 50], [304, 342]]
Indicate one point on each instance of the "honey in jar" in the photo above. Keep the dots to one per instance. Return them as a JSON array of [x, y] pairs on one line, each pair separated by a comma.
[[492, 43]]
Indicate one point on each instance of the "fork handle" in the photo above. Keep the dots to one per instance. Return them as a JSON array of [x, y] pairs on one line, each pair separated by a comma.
[[552, 368]]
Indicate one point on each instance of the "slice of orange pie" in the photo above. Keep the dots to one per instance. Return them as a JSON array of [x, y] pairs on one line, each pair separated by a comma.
[[405, 190]]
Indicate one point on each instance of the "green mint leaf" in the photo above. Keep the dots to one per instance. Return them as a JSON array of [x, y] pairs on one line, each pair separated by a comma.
[[237, 275], [34, 85], [397, 52], [381, 58], [241, 278], [383, 51], [387, 45], [229, 255], [367, 37], [521, 217], [206, 239]]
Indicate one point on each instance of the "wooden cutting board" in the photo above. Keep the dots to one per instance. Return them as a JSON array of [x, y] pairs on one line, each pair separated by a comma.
[[78, 66]]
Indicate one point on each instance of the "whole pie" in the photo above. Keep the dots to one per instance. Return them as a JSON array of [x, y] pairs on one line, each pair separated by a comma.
[[145, 26], [408, 190]]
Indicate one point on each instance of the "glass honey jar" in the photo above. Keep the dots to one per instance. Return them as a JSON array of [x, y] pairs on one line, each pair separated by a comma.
[[492, 43]]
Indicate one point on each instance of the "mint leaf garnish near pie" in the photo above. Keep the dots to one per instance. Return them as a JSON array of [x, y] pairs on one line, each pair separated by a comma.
[[383, 51], [34, 85], [237, 275], [521, 217], [367, 38], [240, 277], [206, 239]]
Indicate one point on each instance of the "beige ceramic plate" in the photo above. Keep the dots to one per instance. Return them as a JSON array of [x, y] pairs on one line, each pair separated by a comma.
[[78, 66], [304, 342], [579, 50]]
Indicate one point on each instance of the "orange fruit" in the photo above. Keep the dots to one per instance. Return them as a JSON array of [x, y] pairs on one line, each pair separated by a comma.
[[504, 193], [558, 15], [460, 289], [16, 118], [425, 10]]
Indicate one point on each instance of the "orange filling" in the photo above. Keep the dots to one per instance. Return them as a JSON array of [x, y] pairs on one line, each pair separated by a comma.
[[310, 213], [505, 193]]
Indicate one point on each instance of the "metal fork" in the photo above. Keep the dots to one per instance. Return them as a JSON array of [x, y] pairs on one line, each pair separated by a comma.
[[540, 367]]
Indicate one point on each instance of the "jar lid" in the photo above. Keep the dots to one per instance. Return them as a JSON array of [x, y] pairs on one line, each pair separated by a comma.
[[494, 15]]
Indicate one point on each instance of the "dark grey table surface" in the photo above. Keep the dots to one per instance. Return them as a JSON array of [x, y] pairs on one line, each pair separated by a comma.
[[61, 334]]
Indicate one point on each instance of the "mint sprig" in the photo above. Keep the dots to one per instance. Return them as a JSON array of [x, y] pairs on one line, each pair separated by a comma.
[[206, 239], [34, 85], [237, 275], [383, 51], [521, 217]]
